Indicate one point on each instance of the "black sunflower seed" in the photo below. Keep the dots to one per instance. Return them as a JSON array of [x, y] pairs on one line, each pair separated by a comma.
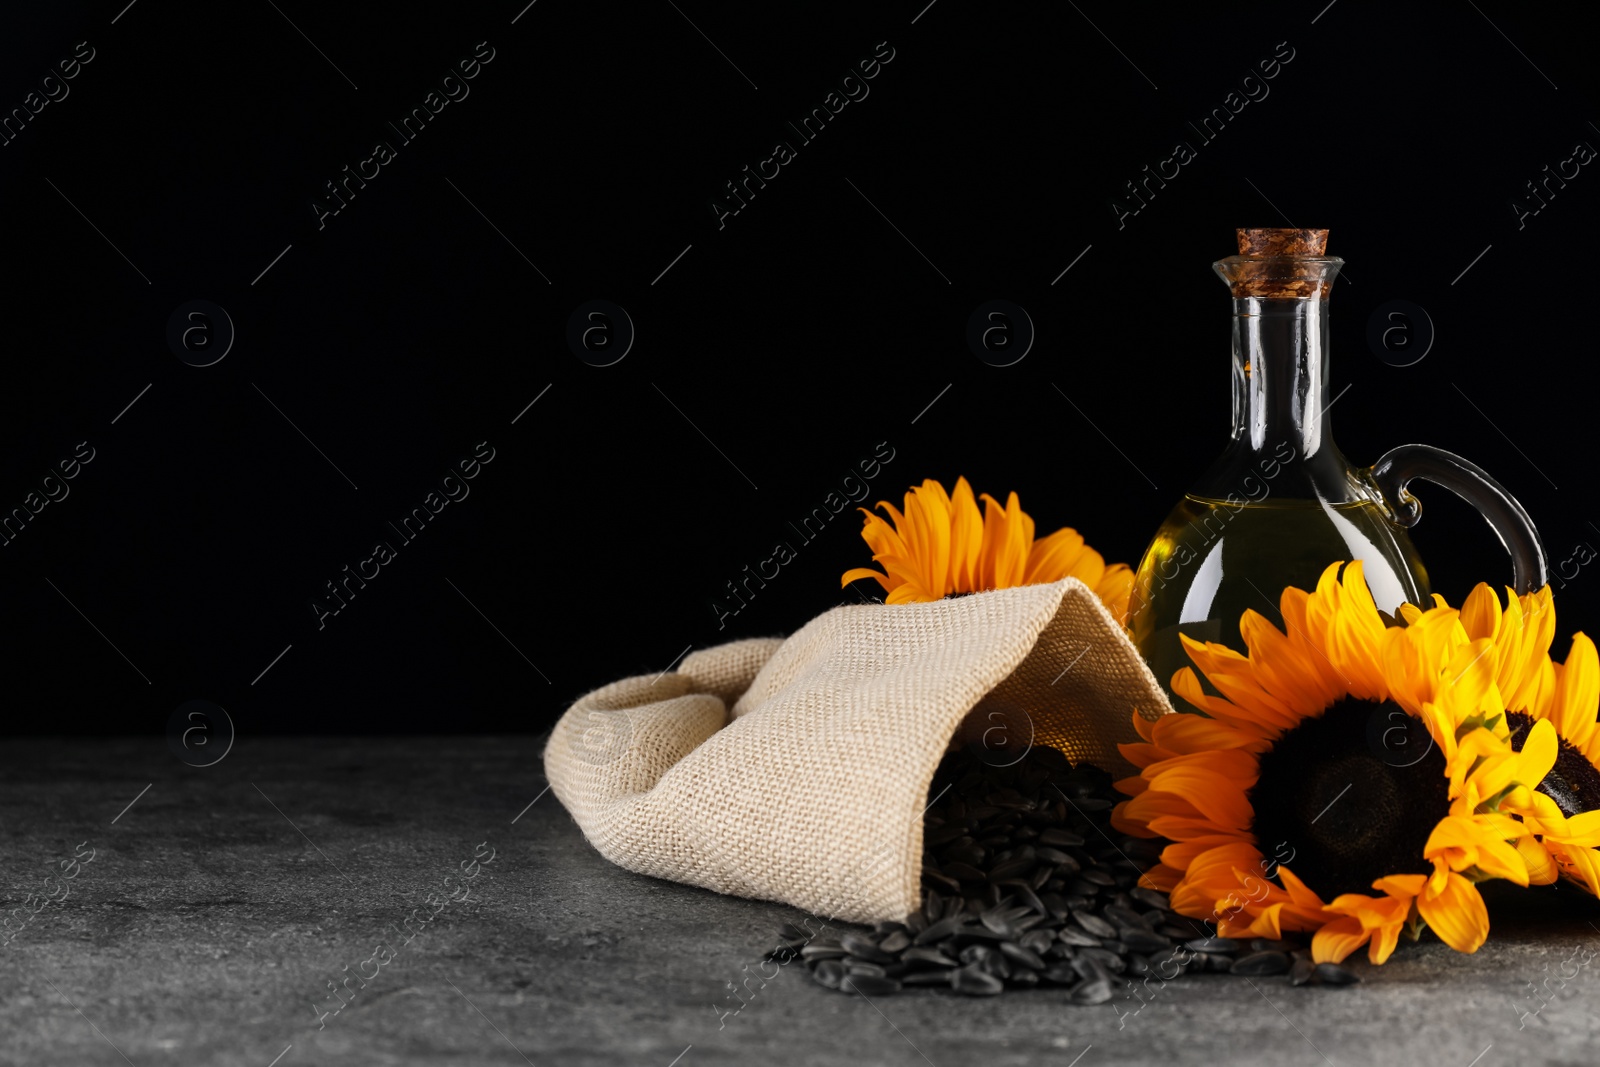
[[823, 950], [1059, 837], [1261, 944], [1012, 868], [965, 871], [896, 942], [996, 964], [828, 973], [855, 966], [1024, 979], [1145, 941], [1333, 974], [1019, 955], [1257, 964], [1212, 944], [1072, 936], [1057, 905], [1108, 959], [1150, 898], [1037, 941], [975, 982], [1095, 925], [934, 978], [938, 931], [865, 948], [1061, 974], [930, 957], [975, 954], [1097, 991]]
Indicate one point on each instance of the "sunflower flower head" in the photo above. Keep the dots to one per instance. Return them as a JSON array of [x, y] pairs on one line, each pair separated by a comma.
[[1373, 763], [1550, 720], [940, 544]]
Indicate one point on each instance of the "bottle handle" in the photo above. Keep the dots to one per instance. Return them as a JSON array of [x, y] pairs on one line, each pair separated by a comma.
[[1510, 522]]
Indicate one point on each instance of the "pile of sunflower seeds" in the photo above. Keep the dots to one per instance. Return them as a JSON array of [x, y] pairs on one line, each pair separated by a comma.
[[1028, 885]]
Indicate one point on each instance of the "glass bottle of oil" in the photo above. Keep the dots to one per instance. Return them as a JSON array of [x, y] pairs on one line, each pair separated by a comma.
[[1282, 502]]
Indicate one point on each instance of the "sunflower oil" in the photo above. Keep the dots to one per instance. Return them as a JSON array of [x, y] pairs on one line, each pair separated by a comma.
[[1213, 559]]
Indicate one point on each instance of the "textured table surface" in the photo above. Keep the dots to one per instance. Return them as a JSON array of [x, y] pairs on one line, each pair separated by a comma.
[[221, 908]]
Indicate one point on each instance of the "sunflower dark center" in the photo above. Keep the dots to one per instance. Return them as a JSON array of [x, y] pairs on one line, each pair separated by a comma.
[[1350, 796], [1573, 783]]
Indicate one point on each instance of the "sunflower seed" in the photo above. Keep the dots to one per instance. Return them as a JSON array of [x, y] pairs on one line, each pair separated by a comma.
[[1095, 925], [945, 834], [996, 964], [1333, 974], [1150, 898], [1145, 941], [1097, 991], [996, 919], [828, 973], [1212, 944], [937, 978], [1261, 944], [972, 855], [1019, 955], [1061, 974], [930, 956], [975, 954], [1012, 868], [1257, 964], [965, 871], [823, 950], [975, 983], [1110, 960], [897, 942], [1072, 936], [1024, 979], [1301, 972], [1027, 897], [1037, 941], [1138, 965], [865, 948], [1057, 906], [938, 931], [938, 880], [855, 966], [1060, 838]]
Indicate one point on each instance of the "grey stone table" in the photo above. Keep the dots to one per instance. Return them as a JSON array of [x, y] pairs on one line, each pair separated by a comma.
[[222, 907]]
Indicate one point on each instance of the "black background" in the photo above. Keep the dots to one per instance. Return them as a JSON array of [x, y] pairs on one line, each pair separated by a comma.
[[775, 353]]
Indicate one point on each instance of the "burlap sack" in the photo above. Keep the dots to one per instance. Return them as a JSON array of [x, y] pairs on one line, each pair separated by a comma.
[[811, 791]]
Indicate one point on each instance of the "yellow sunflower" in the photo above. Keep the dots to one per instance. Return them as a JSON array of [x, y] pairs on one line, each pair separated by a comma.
[[1549, 707], [1363, 756], [940, 545]]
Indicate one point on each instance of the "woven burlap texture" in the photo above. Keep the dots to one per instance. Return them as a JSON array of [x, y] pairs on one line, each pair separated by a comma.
[[798, 770]]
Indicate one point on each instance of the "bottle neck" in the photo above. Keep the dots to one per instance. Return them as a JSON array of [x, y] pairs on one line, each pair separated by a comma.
[[1280, 377]]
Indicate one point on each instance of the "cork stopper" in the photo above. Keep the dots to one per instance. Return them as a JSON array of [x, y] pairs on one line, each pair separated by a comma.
[[1280, 264], [1282, 242]]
